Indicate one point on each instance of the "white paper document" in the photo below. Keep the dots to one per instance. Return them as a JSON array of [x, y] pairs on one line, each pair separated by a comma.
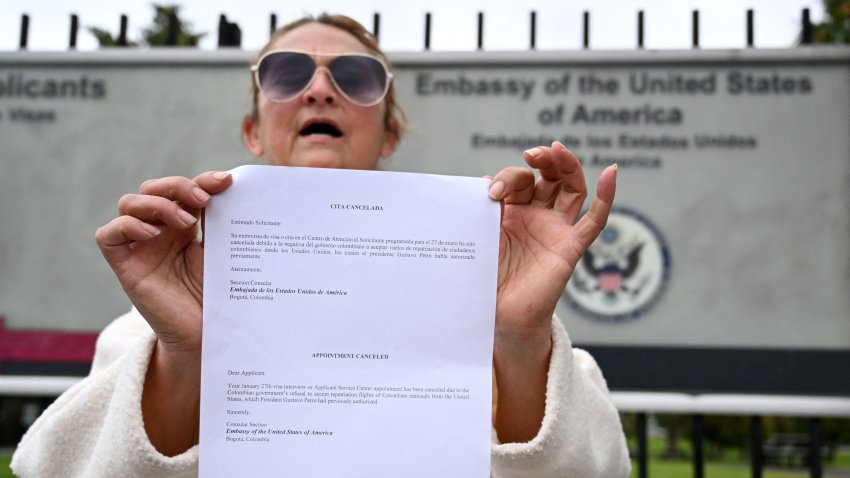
[[348, 325]]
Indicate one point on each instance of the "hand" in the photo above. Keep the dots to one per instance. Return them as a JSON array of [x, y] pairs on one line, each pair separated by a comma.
[[539, 247], [153, 249], [541, 242]]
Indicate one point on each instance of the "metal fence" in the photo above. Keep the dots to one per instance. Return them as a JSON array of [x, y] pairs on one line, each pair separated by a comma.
[[230, 35], [808, 449], [642, 404]]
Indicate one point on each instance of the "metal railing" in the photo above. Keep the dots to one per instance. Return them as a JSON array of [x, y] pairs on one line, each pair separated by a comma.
[[753, 406], [642, 404], [230, 35]]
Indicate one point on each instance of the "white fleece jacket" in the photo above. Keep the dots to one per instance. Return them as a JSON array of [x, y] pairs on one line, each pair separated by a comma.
[[95, 429]]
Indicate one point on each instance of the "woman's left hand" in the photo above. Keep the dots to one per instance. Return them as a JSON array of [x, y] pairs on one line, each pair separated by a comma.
[[539, 247]]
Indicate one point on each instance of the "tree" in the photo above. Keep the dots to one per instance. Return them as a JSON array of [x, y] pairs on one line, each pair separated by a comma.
[[104, 38], [675, 427], [157, 34], [836, 28]]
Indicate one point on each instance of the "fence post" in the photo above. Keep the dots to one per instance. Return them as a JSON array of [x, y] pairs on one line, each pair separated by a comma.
[[122, 32], [173, 30], [750, 29], [643, 448], [376, 26], [427, 31], [586, 39], [695, 29], [223, 36], [696, 440], [756, 457], [640, 29], [533, 39], [815, 465], [25, 31], [75, 25], [806, 34]]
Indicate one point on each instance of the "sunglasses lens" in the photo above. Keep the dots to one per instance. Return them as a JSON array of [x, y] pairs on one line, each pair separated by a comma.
[[284, 75], [361, 78]]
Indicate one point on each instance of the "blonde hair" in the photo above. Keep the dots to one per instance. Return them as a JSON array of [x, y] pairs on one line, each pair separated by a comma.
[[395, 121]]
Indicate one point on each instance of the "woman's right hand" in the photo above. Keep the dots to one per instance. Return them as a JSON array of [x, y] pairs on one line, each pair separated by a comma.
[[153, 248]]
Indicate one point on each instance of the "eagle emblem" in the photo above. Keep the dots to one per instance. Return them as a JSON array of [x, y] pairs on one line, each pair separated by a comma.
[[623, 272]]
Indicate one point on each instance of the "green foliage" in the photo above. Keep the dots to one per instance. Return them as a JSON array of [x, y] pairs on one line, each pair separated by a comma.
[[157, 33], [676, 428], [726, 441], [730, 465], [5, 459], [733, 431], [726, 431], [836, 29], [836, 430], [684, 469], [105, 39]]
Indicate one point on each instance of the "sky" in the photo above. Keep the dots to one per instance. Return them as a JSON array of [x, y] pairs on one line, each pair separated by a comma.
[[454, 22]]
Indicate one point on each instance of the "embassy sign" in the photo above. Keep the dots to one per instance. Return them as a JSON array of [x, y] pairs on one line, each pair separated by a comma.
[[727, 249], [639, 84], [728, 244], [638, 111]]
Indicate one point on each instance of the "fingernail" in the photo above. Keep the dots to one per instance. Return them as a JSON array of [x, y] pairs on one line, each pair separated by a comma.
[[152, 230], [616, 168], [186, 217], [200, 194], [220, 175], [496, 189], [534, 152]]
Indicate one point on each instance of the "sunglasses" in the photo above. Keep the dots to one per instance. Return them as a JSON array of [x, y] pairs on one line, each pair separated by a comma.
[[283, 75]]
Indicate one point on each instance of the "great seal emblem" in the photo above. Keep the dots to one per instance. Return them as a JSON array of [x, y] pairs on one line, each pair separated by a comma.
[[624, 272]]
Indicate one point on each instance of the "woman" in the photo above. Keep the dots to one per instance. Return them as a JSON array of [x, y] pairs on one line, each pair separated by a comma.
[[137, 413]]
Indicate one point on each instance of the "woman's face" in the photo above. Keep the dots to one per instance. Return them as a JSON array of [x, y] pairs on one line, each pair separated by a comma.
[[282, 134]]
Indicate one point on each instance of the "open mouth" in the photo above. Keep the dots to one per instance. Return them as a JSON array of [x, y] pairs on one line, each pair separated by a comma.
[[326, 129]]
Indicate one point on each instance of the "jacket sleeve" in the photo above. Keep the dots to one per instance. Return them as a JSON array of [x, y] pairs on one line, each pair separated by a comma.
[[95, 428], [581, 435]]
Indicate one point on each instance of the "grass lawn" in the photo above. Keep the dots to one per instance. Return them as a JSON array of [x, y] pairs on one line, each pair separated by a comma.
[[5, 458], [658, 468], [734, 465], [684, 469]]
